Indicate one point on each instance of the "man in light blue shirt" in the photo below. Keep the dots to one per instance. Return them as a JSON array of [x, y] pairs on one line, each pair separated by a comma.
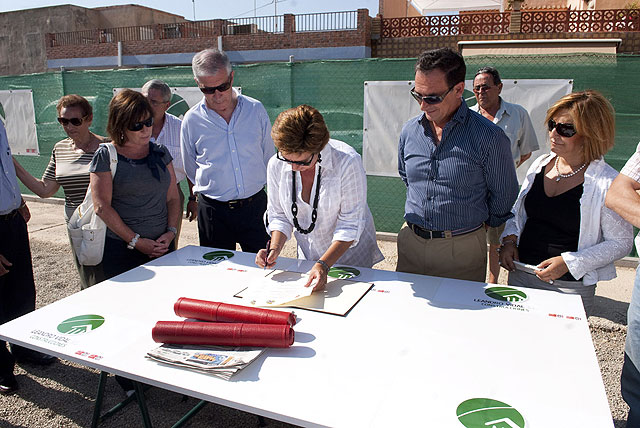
[[226, 145], [514, 120], [17, 287]]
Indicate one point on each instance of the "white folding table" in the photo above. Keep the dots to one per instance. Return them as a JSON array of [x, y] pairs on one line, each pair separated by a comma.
[[415, 350]]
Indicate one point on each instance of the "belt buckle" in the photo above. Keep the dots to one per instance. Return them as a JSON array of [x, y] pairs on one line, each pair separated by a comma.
[[232, 204], [448, 234]]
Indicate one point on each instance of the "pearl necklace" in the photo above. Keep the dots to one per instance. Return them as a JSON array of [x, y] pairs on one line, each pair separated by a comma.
[[567, 175]]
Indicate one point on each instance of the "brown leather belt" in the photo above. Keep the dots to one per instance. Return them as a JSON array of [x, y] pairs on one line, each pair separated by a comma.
[[435, 234]]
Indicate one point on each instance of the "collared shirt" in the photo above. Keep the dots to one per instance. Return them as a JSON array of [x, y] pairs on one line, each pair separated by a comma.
[[227, 161], [604, 235], [10, 196], [465, 180], [169, 137], [514, 120], [632, 170], [632, 345], [343, 213]]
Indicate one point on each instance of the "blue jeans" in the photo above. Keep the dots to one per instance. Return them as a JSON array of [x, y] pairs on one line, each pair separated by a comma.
[[630, 381]]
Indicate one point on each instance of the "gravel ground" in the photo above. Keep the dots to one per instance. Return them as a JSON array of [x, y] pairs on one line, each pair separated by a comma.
[[62, 395]]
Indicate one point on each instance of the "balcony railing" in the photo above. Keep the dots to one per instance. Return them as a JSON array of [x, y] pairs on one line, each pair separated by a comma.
[[447, 25], [332, 21], [580, 21], [564, 21]]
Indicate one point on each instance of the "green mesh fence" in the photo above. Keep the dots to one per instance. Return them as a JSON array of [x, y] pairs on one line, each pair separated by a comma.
[[336, 89]]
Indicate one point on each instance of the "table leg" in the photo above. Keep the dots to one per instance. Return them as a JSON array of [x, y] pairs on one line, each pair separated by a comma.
[[191, 413], [142, 404], [99, 396]]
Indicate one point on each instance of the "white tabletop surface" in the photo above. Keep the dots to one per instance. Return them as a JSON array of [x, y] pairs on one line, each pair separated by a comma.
[[407, 354]]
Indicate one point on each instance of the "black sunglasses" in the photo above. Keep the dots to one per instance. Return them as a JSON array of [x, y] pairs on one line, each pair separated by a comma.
[[563, 129], [482, 88], [429, 99], [139, 125], [301, 163], [75, 121], [212, 89]]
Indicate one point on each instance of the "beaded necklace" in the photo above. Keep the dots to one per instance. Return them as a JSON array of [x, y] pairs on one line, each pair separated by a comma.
[[567, 175], [294, 205]]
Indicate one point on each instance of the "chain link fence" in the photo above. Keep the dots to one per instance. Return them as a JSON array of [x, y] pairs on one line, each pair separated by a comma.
[[336, 88]]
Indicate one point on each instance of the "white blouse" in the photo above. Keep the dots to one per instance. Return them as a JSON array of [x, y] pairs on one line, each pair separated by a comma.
[[343, 213], [604, 235]]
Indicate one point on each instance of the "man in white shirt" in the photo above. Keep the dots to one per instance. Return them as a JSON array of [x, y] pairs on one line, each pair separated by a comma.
[[624, 199], [516, 123], [166, 132], [226, 145]]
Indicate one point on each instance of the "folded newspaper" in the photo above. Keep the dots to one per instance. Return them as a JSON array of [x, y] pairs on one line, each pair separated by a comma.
[[220, 361]]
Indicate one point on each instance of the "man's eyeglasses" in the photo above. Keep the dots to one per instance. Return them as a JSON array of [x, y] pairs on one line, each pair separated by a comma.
[[209, 90], [429, 99], [139, 125], [482, 88], [301, 163], [567, 130], [75, 121]]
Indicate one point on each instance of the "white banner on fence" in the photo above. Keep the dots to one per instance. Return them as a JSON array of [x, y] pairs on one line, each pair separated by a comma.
[[19, 118], [183, 98], [388, 105]]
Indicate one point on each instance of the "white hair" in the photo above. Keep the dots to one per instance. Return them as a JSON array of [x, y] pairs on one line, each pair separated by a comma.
[[208, 62]]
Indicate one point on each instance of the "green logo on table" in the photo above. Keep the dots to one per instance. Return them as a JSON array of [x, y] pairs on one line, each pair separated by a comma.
[[485, 412], [80, 324], [218, 256], [343, 272], [506, 294]]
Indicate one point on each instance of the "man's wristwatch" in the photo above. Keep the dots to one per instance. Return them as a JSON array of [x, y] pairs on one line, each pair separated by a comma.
[[324, 265], [133, 242], [172, 229]]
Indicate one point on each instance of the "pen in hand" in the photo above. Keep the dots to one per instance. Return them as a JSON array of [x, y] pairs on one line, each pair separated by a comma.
[[266, 255]]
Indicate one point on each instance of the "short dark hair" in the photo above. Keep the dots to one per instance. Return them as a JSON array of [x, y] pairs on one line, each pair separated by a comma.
[[126, 108], [492, 71], [74, 100], [446, 60]]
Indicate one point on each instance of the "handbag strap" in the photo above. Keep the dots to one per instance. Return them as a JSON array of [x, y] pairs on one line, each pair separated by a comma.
[[113, 156]]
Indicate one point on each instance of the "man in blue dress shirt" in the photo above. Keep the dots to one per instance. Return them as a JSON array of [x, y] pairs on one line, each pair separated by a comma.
[[459, 174], [17, 288], [226, 145]]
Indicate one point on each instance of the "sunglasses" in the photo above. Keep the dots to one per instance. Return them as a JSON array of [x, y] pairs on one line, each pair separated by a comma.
[[482, 88], [75, 121], [209, 90], [563, 129], [301, 163], [139, 125], [429, 99]]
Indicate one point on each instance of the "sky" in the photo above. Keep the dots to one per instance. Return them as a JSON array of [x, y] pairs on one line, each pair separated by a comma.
[[212, 9]]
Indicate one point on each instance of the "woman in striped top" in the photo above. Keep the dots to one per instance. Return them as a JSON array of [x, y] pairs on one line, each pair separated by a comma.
[[69, 167]]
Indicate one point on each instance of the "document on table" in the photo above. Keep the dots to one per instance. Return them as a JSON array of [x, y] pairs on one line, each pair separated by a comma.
[[278, 289], [338, 297]]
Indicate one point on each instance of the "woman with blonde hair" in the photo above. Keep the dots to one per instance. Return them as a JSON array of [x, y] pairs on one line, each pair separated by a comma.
[[69, 168], [560, 222], [317, 189]]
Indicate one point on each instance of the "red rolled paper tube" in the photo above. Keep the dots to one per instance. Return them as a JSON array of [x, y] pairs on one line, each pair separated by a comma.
[[223, 334], [225, 312]]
